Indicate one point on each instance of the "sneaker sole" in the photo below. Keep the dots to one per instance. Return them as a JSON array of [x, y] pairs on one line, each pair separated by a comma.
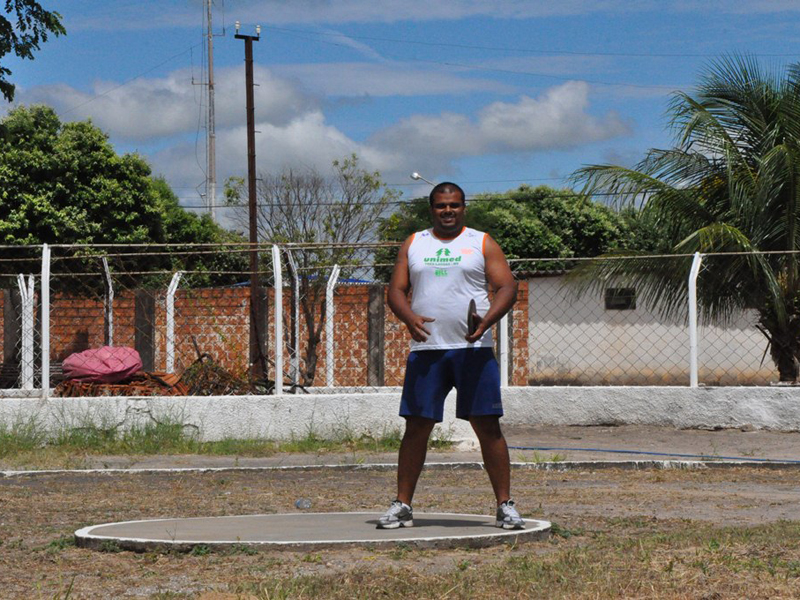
[[504, 525], [395, 525]]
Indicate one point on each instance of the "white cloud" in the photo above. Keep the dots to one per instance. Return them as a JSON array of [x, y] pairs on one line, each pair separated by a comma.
[[385, 79], [306, 141], [147, 108], [361, 47], [556, 66], [737, 6], [557, 119]]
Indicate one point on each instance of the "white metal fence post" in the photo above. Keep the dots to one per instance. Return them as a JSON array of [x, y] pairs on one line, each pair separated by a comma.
[[278, 284], [173, 287], [502, 342], [295, 356], [28, 298], [329, 310], [693, 273], [45, 291], [109, 303]]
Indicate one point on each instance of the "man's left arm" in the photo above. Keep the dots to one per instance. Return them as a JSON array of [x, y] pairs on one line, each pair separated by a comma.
[[501, 282]]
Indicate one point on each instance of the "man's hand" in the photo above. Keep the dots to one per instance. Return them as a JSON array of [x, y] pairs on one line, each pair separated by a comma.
[[417, 329], [479, 329]]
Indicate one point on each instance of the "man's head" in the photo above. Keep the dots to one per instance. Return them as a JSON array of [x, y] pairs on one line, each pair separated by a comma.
[[448, 209], [447, 186]]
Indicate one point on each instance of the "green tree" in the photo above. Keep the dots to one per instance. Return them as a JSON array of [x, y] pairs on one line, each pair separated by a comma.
[[23, 27], [730, 184], [63, 183], [527, 222], [206, 266]]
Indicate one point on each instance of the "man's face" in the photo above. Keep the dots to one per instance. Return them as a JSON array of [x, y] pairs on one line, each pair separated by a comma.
[[448, 211]]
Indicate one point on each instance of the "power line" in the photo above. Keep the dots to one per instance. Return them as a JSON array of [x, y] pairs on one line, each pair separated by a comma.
[[416, 184], [474, 181], [413, 184], [127, 81], [469, 198], [521, 50], [529, 73], [549, 76]]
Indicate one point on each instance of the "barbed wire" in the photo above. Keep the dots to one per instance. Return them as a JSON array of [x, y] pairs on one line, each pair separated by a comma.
[[302, 246]]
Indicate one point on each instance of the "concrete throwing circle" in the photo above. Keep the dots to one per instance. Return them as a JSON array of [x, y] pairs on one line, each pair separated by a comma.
[[304, 531]]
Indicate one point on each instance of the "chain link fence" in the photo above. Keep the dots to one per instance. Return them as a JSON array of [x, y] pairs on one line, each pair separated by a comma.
[[181, 308], [319, 321], [20, 279], [338, 331], [616, 330], [734, 349]]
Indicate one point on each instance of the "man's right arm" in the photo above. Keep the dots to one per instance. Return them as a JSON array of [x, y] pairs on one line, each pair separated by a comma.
[[399, 287]]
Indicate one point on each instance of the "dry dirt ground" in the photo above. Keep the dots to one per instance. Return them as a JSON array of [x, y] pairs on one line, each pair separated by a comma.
[[39, 513]]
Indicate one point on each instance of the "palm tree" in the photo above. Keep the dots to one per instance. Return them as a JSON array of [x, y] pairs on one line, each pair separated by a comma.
[[730, 185]]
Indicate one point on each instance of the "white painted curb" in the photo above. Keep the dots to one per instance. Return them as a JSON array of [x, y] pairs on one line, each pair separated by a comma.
[[295, 416]]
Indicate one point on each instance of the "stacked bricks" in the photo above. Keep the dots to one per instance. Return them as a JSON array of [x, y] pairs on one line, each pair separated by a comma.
[[77, 323], [396, 348], [518, 337], [350, 333], [218, 320], [216, 317]]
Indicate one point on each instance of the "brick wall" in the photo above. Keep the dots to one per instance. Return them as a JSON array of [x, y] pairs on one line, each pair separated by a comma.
[[396, 348], [520, 324], [218, 320]]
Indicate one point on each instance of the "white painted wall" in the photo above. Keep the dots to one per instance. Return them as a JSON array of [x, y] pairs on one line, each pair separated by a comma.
[[219, 417], [775, 408], [578, 342]]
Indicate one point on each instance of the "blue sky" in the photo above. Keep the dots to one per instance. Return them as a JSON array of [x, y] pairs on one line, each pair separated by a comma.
[[488, 93]]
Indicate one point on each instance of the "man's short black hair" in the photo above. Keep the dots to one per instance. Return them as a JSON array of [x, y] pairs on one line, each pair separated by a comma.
[[445, 187]]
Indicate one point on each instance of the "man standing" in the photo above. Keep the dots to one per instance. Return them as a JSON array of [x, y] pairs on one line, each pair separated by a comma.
[[446, 267]]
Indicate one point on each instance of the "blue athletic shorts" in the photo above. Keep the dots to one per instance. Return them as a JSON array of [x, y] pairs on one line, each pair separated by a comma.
[[431, 374]]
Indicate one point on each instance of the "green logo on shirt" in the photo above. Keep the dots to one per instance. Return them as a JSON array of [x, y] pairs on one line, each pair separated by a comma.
[[442, 258]]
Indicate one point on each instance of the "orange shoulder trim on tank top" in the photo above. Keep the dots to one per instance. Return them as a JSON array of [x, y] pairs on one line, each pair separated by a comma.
[[483, 244], [413, 235], [433, 233]]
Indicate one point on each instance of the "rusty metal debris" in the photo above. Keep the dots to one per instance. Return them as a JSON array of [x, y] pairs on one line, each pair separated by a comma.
[[142, 383], [205, 377]]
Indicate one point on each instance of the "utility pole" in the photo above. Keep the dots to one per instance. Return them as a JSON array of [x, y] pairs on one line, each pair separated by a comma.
[[211, 178], [257, 304]]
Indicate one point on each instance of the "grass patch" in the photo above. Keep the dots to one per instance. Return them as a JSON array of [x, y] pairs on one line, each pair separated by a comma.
[[692, 561], [29, 443], [21, 437], [537, 458], [200, 550], [62, 543]]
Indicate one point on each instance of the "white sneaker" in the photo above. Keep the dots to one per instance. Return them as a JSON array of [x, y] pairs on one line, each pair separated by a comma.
[[398, 515], [508, 517]]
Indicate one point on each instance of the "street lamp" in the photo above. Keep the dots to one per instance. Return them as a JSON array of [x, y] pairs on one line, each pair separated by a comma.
[[416, 177]]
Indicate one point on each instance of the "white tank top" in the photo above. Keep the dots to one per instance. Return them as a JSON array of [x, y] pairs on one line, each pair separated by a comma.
[[445, 275]]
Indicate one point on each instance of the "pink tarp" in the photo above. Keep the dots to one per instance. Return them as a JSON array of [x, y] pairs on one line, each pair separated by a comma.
[[103, 365]]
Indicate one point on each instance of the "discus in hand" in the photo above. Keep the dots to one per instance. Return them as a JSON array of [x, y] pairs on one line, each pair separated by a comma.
[[471, 324]]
